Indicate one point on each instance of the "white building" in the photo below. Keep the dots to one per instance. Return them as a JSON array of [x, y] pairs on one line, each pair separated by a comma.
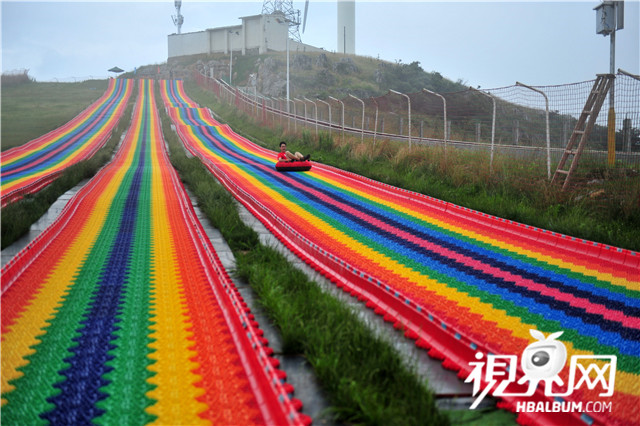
[[257, 33]]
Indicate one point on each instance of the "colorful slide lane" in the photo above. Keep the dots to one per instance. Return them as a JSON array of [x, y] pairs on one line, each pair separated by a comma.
[[28, 168], [456, 280], [121, 312]]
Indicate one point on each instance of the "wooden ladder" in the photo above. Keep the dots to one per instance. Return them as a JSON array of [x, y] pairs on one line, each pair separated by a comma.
[[583, 128]]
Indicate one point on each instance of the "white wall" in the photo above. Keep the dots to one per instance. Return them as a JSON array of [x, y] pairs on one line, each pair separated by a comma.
[[188, 43], [261, 32]]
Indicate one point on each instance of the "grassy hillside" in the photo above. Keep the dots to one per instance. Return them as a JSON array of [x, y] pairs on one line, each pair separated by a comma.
[[31, 109], [313, 74]]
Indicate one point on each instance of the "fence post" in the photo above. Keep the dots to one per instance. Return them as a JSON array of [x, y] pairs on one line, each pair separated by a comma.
[[305, 110], [626, 135], [408, 112], [274, 114], [444, 135], [546, 100], [341, 103], [329, 107], [375, 125], [493, 126], [315, 106], [362, 102], [295, 117]]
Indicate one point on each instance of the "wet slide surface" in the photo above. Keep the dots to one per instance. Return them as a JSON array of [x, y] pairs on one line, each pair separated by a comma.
[[28, 168], [457, 281], [121, 312]]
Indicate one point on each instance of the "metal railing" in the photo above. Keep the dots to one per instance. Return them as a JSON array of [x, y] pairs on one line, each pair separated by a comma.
[[522, 121]]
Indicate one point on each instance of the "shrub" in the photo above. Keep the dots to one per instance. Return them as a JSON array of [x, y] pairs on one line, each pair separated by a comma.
[[15, 78]]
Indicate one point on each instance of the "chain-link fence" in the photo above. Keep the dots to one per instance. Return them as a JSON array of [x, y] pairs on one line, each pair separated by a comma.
[[533, 123]]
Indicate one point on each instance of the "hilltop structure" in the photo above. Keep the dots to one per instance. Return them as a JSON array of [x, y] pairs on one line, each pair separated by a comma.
[[257, 34]]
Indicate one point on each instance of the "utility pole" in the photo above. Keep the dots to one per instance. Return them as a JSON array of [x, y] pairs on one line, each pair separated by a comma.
[[609, 19]]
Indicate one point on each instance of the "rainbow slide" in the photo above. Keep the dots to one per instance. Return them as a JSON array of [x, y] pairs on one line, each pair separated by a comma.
[[28, 168], [459, 282], [121, 312]]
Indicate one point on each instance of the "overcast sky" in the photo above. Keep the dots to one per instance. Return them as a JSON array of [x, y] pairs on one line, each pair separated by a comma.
[[487, 44]]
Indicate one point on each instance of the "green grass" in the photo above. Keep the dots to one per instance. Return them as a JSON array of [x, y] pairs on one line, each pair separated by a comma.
[[32, 109], [17, 217], [364, 378], [514, 190]]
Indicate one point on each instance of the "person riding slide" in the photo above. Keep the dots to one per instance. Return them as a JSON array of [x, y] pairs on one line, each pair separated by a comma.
[[285, 155]]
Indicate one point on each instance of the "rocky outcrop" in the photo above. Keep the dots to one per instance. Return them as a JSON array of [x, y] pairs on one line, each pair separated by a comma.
[[302, 63], [271, 80], [345, 66], [272, 73], [322, 61]]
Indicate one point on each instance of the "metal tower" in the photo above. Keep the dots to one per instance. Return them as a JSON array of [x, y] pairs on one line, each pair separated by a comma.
[[178, 19], [291, 15]]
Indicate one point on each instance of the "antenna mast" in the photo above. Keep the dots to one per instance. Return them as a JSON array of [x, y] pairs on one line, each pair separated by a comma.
[[178, 19], [285, 8]]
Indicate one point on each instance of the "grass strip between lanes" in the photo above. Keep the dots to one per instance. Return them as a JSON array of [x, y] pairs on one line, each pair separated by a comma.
[[363, 376], [18, 217]]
